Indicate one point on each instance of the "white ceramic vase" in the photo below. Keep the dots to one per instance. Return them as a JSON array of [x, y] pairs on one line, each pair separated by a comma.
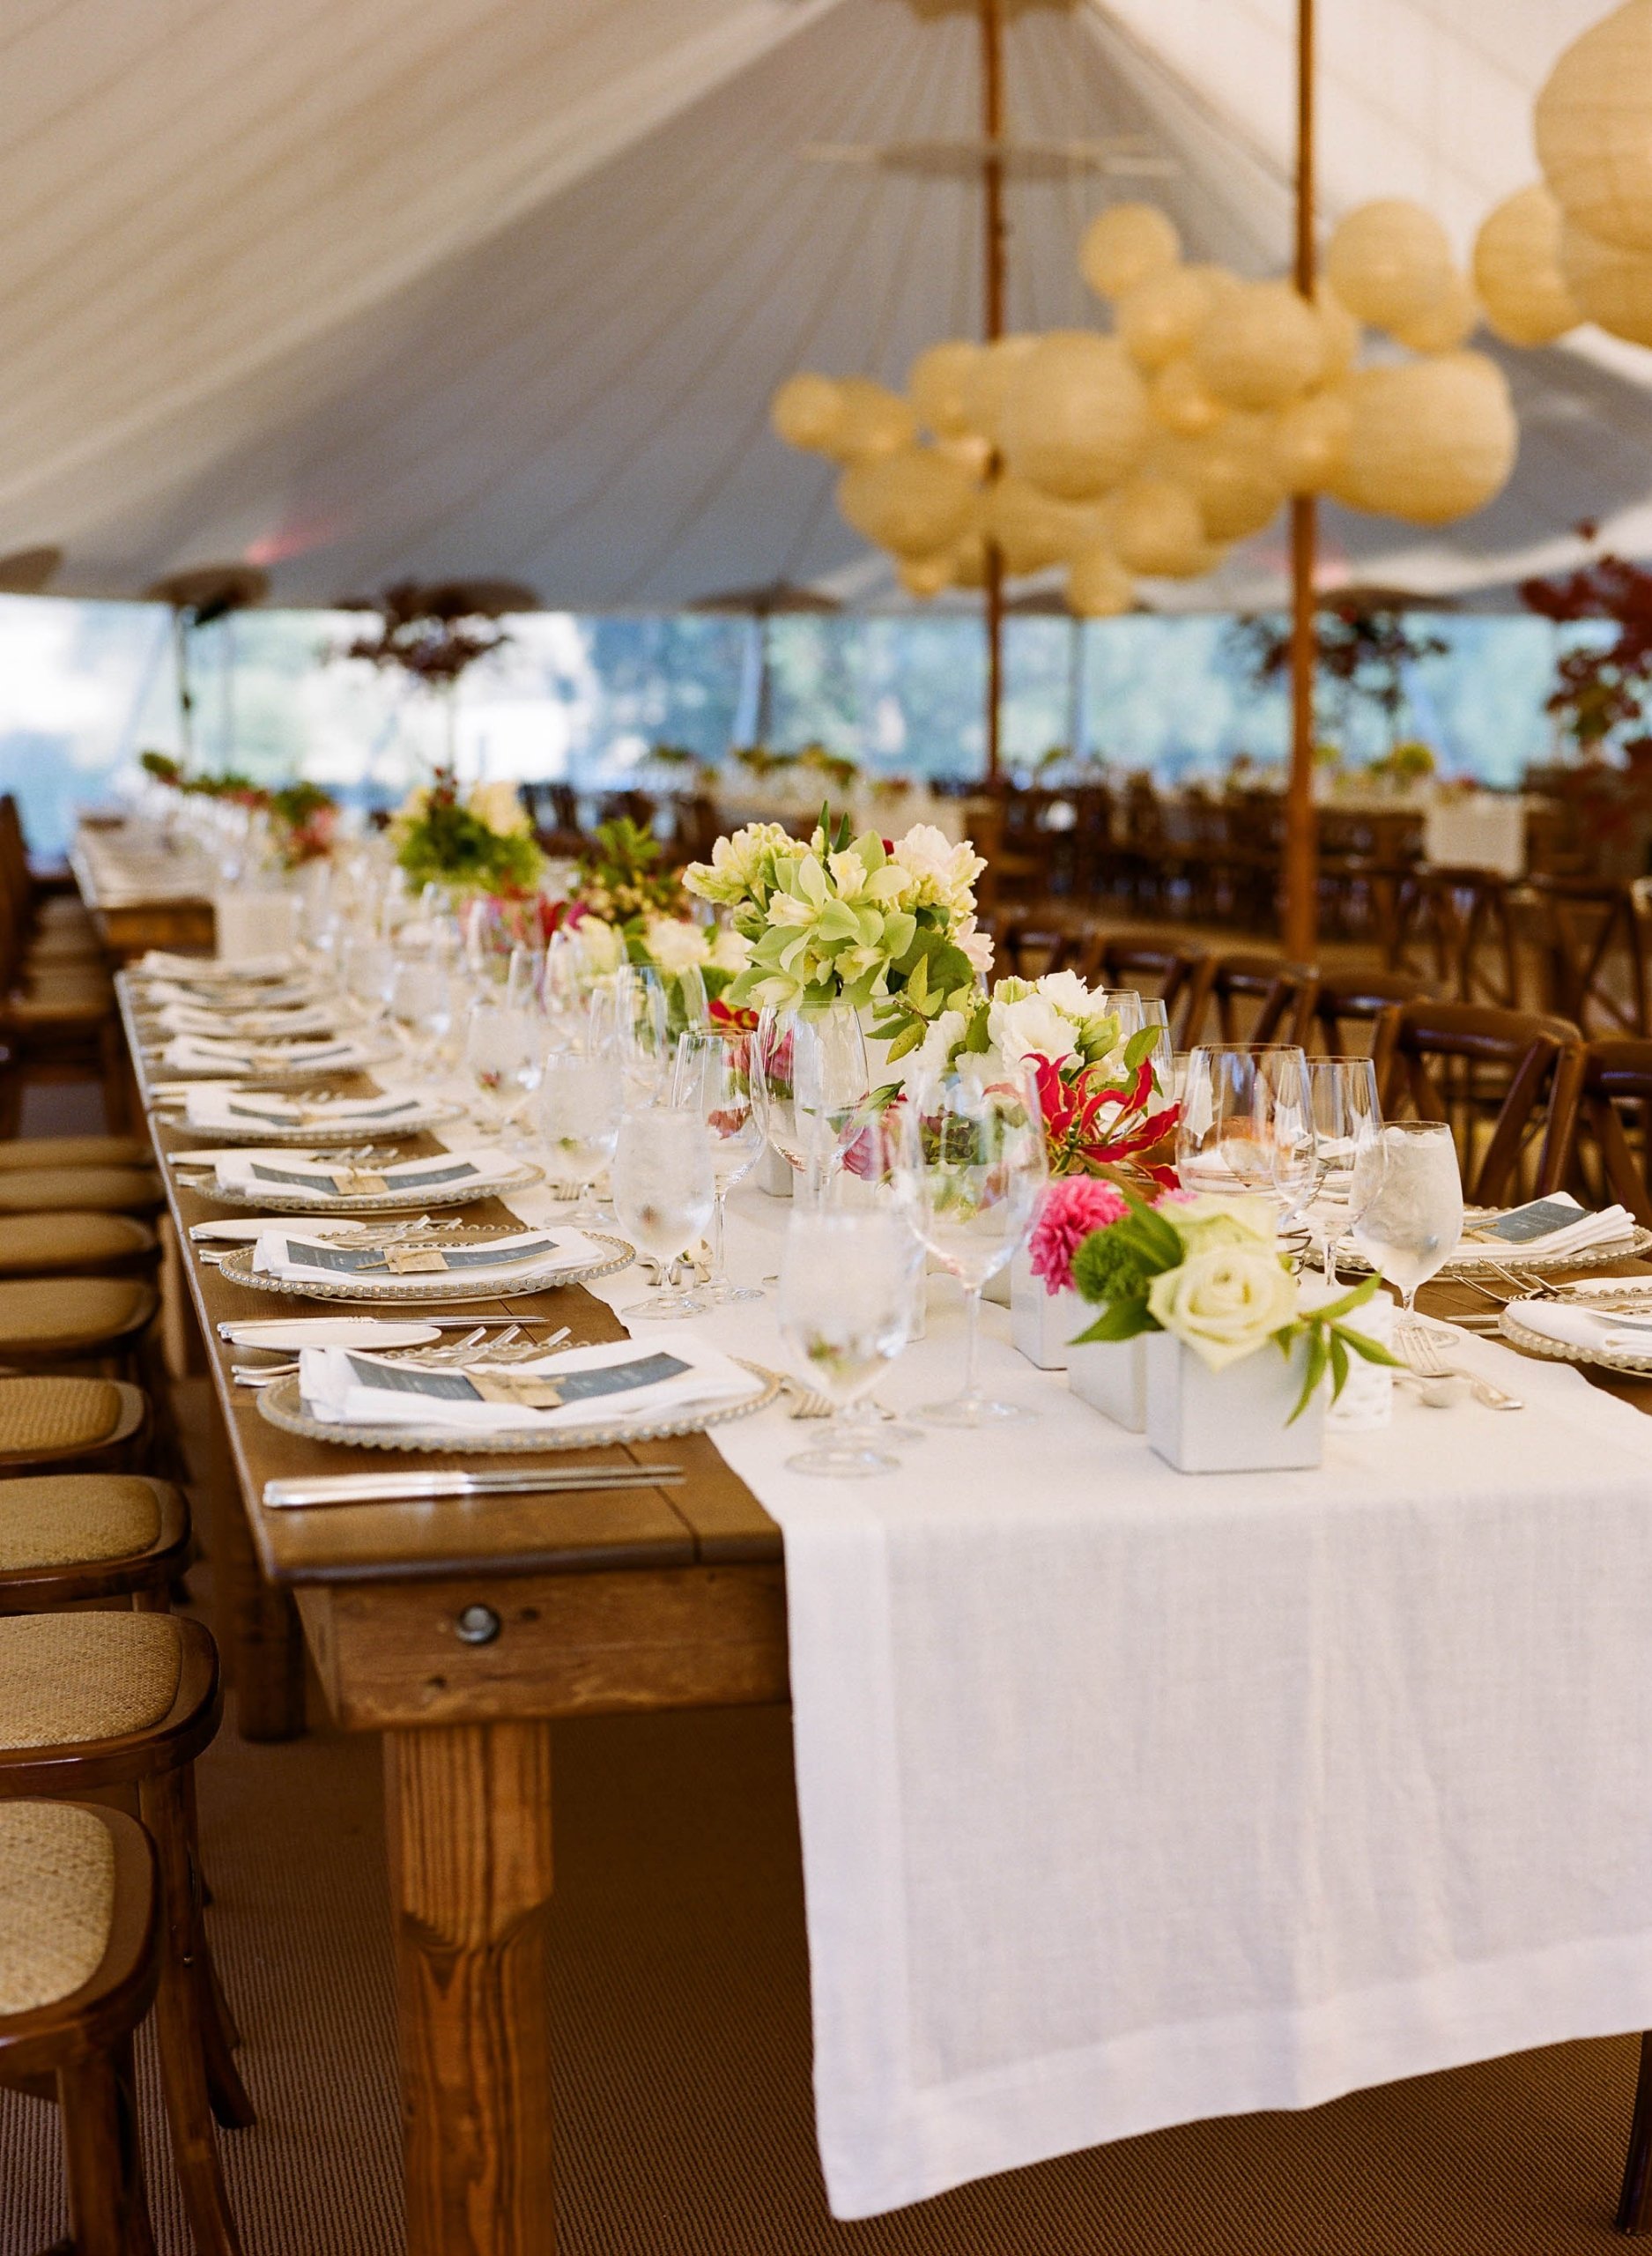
[[1111, 1375], [1233, 1420], [1042, 1322]]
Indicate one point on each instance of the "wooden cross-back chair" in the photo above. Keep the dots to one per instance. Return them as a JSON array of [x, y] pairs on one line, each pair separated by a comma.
[[1347, 1005], [1596, 938], [1612, 1145], [1507, 1082], [1455, 928], [1248, 998], [1146, 961]]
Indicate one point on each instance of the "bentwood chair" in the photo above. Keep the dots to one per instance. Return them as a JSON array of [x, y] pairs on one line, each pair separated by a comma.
[[82, 1539], [78, 1966], [1456, 927], [94, 1701], [52, 1423], [1612, 1148], [1595, 941], [1145, 961], [1507, 1082], [1275, 998], [1344, 1001]]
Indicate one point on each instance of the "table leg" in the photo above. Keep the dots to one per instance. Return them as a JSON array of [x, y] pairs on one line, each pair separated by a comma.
[[468, 1809], [255, 1622]]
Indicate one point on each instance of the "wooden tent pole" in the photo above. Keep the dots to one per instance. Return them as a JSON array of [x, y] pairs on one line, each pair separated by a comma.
[[1301, 843], [992, 311]]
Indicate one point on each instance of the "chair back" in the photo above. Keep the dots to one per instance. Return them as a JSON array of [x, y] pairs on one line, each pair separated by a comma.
[[1453, 927], [1613, 1145], [1507, 1082], [1148, 962], [1248, 998], [1596, 936], [1347, 1005]]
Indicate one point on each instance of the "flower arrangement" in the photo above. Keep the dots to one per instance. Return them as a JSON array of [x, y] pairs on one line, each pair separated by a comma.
[[1205, 1269], [482, 840], [305, 820], [620, 879], [887, 924], [225, 783]]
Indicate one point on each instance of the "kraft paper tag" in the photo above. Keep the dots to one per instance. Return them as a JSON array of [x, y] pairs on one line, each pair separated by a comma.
[[523, 1393], [415, 1261], [354, 1182]]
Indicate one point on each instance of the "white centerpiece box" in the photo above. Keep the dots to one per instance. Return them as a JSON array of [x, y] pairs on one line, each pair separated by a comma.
[[1235, 1420], [1041, 1323], [1111, 1375]]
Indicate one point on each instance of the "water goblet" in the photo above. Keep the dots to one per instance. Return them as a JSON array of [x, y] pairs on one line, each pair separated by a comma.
[[1408, 1190], [1347, 1115], [713, 1077], [848, 1282], [664, 1193], [628, 1015], [504, 1056], [812, 1084], [578, 1105]]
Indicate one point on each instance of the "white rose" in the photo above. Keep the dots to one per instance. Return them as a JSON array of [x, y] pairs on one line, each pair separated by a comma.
[[675, 944], [1030, 1027], [1226, 1303], [499, 806]]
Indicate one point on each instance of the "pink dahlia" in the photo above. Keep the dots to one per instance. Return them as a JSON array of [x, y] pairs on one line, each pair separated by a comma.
[[1072, 1207]]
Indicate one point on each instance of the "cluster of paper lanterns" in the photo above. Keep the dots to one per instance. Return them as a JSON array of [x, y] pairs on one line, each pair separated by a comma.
[[1146, 453]]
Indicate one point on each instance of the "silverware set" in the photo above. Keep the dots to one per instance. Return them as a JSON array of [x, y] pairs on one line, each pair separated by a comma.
[[1423, 1351], [508, 1347], [511, 1481]]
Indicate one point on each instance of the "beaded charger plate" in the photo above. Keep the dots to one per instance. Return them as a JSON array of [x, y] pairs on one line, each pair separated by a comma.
[[1487, 1261], [282, 1405], [1636, 1365], [272, 1198], [318, 1134], [445, 1286]]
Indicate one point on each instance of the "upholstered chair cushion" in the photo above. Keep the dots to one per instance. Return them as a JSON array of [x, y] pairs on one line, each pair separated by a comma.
[[57, 1413], [41, 1314], [34, 1245], [28, 1152], [69, 1678], [88, 1189], [56, 1901], [71, 1519]]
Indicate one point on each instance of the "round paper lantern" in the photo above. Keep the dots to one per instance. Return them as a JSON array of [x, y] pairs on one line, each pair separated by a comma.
[[1234, 478], [1032, 530], [915, 502], [807, 410], [1160, 317], [1099, 586], [1310, 438], [1124, 245], [1387, 260], [1428, 442], [988, 379], [938, 383], [925, 576], [1517, 269], [1260, 346], [1594, 128], [1339, 333], [1610, 285], [1156, 529], [1075, 415], [1179, 402], [873, 421], [1443, 321]]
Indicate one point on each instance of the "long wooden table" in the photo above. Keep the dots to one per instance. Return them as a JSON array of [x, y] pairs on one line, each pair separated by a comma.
[[462, 1631], [134, 903]]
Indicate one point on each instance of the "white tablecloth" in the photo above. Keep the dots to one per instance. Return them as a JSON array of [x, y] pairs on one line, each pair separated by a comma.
[[1130, 1798]]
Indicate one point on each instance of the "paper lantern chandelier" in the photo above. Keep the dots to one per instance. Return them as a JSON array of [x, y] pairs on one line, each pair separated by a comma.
[[1146, 453]]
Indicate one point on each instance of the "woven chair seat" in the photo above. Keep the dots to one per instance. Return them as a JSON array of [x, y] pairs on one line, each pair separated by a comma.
[[34, 1245], [66, 944], [66, 1679], [71, 1520], [37, 1013], [22, 1153], [56, 1901], [84, 1190], [38, 1314], [57, 1413]]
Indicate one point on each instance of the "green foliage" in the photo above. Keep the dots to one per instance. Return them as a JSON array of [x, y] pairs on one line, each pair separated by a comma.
[[452, 846]]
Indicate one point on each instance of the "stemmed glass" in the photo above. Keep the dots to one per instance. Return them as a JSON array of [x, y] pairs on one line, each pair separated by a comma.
[[1409, 1193], [504, 1055], [713, 1078], [628, 1016], [968, 1169], [580, 1101], [1124, 1005], [1247, 1123], [664, 1193], [1160, 1057], [424, 1006], [849, 1283], [810, 1083], [1347, 1115], [367, 974]]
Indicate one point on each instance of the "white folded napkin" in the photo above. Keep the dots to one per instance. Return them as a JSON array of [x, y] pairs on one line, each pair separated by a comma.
[[255, 1026], [217, 996], [1572, 1326], [621, 1381], [211, 1105], [160, 964], [325, 1176], [199, 1053], [301, 1253], [1602, 1228]]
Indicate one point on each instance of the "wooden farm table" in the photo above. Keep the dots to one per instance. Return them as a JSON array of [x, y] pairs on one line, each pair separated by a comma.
[[461, 1631], [140, 893]]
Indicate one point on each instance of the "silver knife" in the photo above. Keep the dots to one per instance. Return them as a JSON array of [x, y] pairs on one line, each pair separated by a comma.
[[413, 1488]]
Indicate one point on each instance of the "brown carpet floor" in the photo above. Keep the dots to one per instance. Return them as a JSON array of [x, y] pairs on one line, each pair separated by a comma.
[[679, 2001]]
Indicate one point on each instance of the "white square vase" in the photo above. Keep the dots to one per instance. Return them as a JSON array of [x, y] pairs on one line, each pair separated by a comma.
[[772, 1173], [1041, 1323], [1110, 1374], [1231, 1421]]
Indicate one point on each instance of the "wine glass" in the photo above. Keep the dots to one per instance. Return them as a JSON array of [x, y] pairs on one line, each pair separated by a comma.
[[1347, 1115], [968, 1170], [580, 1101], [504, 1056], [568, 982], [1247, 1123], [664, 1193], [713, 1077], [367, 972], [1409, 1192], [423, 1004], [848, 1284], [812, 1084], [628, 1016], [1124, 1005], [1161, 1057]]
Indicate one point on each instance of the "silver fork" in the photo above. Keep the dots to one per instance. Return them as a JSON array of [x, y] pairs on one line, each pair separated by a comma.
[[1425, 1352]]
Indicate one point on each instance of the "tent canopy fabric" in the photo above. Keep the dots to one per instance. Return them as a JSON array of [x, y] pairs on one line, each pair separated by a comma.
[[361, 291]]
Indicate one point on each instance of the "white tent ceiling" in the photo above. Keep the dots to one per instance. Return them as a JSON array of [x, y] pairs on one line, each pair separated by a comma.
[[365, 290]]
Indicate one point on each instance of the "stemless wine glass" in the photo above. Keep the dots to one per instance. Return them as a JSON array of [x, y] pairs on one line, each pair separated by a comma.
[[968, 1170], [1347, 1115], [1412, 1219], [713, 1077], [664, 1193], [580, 1101], [848, 1282], [812, 1084], [504, 1055]]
